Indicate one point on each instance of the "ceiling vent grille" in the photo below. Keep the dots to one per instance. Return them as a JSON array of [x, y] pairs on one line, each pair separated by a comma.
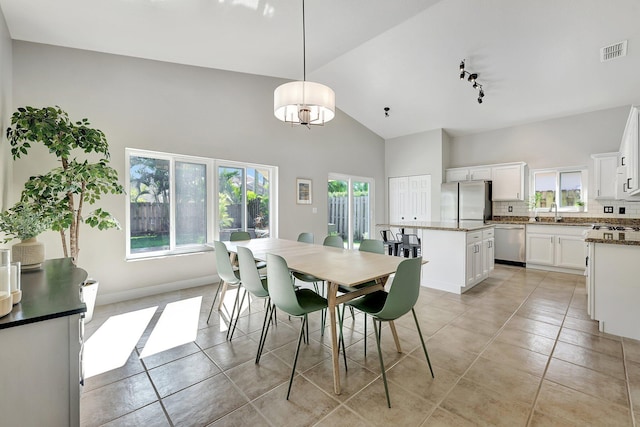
[[613, 51]]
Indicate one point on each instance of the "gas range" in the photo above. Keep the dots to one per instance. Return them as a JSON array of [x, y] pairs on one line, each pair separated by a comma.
[[615, 227]]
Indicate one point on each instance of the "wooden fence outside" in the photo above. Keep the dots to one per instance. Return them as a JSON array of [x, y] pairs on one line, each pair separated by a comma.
[[339, 216]]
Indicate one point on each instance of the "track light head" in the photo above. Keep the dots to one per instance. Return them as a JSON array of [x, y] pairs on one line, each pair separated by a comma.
[[462, 75], [475, 85], [386, 111], [481, 94], [472, 77], [462, 66], [479, 100]]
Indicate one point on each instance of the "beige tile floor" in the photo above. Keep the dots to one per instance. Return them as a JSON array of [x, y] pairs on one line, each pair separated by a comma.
[[516, 350]]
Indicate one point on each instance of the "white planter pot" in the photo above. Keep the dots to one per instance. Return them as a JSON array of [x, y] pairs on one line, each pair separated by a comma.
[[89, 292]]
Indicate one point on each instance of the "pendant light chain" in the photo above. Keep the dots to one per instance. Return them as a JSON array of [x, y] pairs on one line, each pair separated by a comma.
[[304, 47]]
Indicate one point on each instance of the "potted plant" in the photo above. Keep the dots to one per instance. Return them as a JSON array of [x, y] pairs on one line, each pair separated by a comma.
[[24, 222], [61, 193], [580, 205], [59, 196]]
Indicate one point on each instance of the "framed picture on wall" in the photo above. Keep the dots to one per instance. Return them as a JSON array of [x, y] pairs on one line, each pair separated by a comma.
[[303, 191]]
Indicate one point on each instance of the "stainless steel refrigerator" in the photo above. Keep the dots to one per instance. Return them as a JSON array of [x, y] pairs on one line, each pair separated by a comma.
[[466, 201]]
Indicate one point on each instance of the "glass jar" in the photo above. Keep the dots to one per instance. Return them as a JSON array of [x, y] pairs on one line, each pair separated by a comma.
[[16, 290], [6, 301]]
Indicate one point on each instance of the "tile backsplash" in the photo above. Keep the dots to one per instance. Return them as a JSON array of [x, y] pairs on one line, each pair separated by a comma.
[[594, 209]]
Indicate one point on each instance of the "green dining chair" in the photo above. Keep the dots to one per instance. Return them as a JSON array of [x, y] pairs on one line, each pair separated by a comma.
[[388, 306], [305, 237], [237, 236], [367, 245], [335, 241], [297, 303], [228, 276], [257, 287]]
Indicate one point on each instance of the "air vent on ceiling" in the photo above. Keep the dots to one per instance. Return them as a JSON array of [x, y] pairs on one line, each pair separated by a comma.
[[613, 51]]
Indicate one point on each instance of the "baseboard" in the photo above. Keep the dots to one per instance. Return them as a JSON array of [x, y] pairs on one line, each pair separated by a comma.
[[111, 298]]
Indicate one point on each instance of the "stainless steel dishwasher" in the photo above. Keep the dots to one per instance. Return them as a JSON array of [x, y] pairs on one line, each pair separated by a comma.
[[510, 244]]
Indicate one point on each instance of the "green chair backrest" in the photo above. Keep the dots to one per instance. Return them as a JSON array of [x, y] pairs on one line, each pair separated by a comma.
[[249, 272], [239, 235], [223, 262], [404, 290], [305, 237], [281, 289], [335, 241], [372, 245]]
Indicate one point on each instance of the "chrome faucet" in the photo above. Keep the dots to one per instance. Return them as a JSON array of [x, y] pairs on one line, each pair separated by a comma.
[[554, 208]]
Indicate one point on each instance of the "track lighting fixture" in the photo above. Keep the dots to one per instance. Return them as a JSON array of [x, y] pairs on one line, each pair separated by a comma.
[[386, 111], [471, 78]]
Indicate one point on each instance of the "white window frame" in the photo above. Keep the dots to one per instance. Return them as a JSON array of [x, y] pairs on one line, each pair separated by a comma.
[[213, 231], [584, 174]]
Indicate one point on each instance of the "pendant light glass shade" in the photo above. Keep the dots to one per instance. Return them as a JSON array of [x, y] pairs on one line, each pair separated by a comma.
[[304, 103]]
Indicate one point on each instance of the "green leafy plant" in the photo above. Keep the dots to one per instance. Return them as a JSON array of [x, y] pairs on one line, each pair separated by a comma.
[[61, 194], [22, 222], [580, 203]]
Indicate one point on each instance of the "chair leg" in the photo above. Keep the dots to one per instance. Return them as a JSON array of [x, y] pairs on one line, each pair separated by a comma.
[[378, 333], [295, 360], [233, 311], [365, 333], [214, 300], [265, 328], [239, 311], [424, 347]]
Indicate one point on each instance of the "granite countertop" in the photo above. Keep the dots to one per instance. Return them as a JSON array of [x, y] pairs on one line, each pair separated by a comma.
[[570, 224], [612, 237], [442, 225], [47, 293], [566, 221]]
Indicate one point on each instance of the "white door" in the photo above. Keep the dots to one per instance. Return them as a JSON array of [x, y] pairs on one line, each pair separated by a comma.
[[419, 198], [398, 199]]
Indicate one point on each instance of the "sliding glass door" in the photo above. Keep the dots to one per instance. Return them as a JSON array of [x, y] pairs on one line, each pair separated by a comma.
[[349, 203]]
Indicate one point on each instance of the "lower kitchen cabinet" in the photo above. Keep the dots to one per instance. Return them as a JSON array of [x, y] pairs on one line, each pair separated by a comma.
[[556, 248], [456, 260]]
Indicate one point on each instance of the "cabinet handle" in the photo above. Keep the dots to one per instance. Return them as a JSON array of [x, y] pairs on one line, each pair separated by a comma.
[[517, 195], [622, 161], [628, 183], [598, 193], [624, 187], [551, 239]]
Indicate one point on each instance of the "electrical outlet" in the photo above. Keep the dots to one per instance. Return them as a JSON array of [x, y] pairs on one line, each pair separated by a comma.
[[608, 209], [510, 208], [622, 210]]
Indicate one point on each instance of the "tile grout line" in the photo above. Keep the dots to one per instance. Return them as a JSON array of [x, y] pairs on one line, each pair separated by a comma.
[[146, 371], [626, 376], [553, 349]]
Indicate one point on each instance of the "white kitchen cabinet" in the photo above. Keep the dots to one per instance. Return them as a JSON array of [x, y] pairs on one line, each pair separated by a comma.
[[556, 248], [508, 182], [410, 198], [475, 173], [605, 170], [628, 184], [457, 259]]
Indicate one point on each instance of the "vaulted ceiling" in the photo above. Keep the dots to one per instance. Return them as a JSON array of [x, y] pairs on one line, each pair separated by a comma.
[[536, 59]]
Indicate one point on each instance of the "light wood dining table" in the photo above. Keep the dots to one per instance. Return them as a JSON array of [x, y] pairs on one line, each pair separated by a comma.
[[335, 266]]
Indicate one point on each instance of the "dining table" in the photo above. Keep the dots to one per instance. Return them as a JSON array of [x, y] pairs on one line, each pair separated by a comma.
[[336, 266]]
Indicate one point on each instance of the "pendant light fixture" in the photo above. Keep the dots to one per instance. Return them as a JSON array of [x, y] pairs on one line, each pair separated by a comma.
[[302, 102]]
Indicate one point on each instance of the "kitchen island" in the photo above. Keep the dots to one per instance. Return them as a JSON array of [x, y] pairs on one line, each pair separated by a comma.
[[460, 254], [41, 341], [613, 287]]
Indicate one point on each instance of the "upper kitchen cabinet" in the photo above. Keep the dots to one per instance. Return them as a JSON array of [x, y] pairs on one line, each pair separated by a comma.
[[605, 170], [475, 173], [409, 198], [627, 177], [508, 181]]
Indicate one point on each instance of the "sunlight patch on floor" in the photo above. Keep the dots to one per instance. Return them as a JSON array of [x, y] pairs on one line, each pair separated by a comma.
[[178, 324], [111, 345]]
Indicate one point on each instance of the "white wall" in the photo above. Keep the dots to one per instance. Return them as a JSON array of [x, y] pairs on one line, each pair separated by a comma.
[[565, 141], [188, 110], [418, 154], [5, 112]]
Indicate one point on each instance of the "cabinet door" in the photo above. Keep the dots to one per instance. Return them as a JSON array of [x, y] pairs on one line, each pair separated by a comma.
[[508, 182], [488, 256], [605, 171], [470, 276], [480, 174], [540, 249], [398, 199], [453, 175], [419, 198], [570, 252]]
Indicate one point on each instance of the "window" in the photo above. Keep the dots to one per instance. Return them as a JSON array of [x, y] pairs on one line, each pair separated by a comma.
[[172, 208], [349, 205], [566, 187]]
